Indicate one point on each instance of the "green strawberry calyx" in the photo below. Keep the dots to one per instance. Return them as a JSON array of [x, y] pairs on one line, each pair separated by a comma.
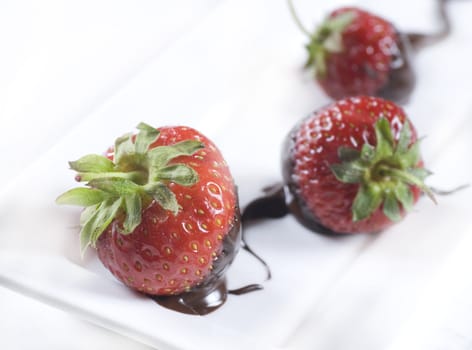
[[326, 39], [120, 188], [385, 173]]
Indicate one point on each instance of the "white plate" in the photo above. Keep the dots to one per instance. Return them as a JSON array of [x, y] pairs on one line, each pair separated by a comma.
[[237, 78]]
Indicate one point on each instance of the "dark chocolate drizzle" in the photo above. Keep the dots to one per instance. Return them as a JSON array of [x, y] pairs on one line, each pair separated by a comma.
[[271, 205], [200, 300], [402, 79], [247, 248], [279, 202], [246, 289], [212, 293], [284, 198], [420, 40]]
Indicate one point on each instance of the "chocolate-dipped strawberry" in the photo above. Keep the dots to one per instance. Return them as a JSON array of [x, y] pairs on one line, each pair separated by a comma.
[[353, 166], [161, 209], [355, 52]]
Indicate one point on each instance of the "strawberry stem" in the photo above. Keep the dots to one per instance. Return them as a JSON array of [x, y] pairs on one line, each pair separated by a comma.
[[297, 19], [327, 39], [385, 173], [138, 174], [407, 178], [442, 192]]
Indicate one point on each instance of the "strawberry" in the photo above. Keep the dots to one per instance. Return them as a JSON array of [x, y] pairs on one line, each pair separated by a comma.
[[160, 208], [355, 52], [354, 166]]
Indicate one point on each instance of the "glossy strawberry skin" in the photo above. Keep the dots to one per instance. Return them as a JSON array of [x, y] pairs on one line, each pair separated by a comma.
[[374, 60], [169, 254], [320, 199]]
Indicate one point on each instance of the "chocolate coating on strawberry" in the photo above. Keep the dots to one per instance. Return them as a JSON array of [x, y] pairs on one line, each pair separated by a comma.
[[212, 292], [401, 79], [353, 166], [355, 52], [162, 212]]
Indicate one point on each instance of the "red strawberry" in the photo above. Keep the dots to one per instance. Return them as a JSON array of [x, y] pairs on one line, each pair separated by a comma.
[[354, 166], [161, 209], [355, 52]]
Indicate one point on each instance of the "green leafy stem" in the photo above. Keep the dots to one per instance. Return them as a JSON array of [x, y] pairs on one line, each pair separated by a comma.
[[137, 175], [385, 173], [326, 39]]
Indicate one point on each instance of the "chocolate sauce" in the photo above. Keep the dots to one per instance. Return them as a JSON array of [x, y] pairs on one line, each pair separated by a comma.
[[246, 289], [402, 79], [279, 202], [247, 248], [420, 40], [201, 300], [205, 298], [271, 205], [213, 292]]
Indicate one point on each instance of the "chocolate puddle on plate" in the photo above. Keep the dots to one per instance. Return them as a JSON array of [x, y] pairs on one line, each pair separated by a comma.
[[213, 292]]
